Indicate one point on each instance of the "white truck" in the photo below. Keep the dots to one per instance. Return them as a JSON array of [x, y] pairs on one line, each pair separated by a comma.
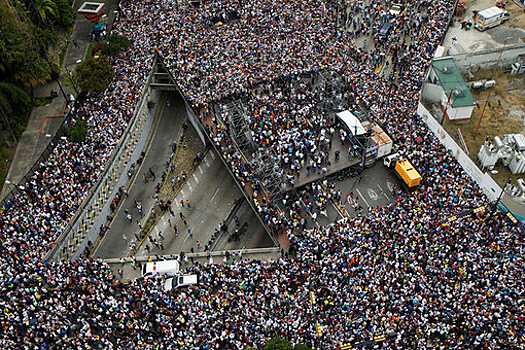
[[490, 18]]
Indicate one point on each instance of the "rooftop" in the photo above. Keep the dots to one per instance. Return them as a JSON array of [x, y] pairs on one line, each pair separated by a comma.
[[450, 79]]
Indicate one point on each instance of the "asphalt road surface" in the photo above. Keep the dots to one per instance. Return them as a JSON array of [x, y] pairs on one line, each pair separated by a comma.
[[167, 130], [372, 190], [212, 194]]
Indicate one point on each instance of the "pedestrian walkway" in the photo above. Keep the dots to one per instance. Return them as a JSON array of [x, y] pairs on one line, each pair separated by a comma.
[[45, 121]]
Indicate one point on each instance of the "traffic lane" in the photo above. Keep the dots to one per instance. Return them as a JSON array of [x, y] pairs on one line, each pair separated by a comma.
[[372, 189], [211, 192], [122, 232], [332, 213], [252, 233]]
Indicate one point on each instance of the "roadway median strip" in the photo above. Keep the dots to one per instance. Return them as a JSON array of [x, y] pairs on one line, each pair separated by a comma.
[[183, 160], [341, 210], [133, 177]]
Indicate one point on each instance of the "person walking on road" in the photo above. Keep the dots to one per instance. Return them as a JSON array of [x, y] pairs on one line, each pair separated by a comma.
[[152, 173], [188, 203]]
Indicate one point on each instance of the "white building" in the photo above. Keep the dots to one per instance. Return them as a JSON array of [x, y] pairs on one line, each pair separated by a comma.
[[446, 86]]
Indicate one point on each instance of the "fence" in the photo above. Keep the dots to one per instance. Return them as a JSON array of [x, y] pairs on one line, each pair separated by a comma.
[[43, 156], [504, 56], [94, 201], [487, 184]]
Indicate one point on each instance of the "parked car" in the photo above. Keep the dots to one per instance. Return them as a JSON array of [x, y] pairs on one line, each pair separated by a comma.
[[180, 281]]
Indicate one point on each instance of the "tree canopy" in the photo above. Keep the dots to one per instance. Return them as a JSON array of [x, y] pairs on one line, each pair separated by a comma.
[[95, 74], [278, 344]]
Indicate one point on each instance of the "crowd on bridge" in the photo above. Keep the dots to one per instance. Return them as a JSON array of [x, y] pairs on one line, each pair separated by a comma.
[[395, 270]]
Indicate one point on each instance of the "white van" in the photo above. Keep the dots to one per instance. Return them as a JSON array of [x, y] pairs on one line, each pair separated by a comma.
[[490, 18], [167, 267], [180, 281]]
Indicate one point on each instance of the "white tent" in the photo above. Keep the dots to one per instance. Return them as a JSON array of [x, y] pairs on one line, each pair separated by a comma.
[[352, 123]]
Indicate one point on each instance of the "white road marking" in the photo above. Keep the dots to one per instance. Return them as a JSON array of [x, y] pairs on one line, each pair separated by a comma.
[[390, 185], [362, 197], [348, 201], [372, 194], [216, 191], [383, 192], [188, 184], [200, 170]]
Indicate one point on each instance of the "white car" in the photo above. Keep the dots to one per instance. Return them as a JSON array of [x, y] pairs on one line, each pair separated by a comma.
[[396, 9], [180, 281]]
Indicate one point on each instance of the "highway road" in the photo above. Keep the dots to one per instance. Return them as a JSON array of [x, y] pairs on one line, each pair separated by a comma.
[[212, 194]]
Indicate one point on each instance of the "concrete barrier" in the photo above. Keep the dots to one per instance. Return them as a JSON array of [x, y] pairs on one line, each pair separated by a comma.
[[75, 232], [491, 189]]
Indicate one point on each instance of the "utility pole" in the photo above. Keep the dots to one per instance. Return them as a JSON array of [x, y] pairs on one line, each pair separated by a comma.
[[483, 111], [446, 106]]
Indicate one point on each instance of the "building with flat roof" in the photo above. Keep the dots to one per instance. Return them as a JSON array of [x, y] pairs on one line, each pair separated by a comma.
[[446, 85]]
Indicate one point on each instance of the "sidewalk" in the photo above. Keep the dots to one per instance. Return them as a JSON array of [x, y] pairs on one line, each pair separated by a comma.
[[45, 121]]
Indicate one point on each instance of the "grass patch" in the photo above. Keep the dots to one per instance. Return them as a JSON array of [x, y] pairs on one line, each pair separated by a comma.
[[89, 52], [42, 101]]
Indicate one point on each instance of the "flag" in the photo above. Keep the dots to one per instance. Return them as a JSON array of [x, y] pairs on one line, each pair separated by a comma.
[[324, 7]]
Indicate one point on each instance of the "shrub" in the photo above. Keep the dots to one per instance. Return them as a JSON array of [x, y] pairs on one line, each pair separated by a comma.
[[55, 69], [115, 45], [278, 344], [77, 132]]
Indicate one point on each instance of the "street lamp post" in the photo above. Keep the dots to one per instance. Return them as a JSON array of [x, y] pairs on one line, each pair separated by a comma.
[[9, 183]]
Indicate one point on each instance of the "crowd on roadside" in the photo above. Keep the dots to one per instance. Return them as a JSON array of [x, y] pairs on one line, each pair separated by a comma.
[[395, 270]]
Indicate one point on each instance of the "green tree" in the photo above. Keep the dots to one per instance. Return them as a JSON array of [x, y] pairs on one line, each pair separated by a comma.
[[95, 74], [15, 41], [65, 13], [47, 9], [78, 132], [301, 347], [11, 94], [278, 344], [115, 45]]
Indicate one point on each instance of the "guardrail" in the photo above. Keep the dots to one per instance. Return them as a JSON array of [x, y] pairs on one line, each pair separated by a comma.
[[219, 253], [97, 196]]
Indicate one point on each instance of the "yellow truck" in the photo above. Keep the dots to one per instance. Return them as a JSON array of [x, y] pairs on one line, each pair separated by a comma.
[[403, 169]]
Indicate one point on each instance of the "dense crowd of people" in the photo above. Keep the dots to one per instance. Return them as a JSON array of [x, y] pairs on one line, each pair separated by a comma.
[[395, 270]]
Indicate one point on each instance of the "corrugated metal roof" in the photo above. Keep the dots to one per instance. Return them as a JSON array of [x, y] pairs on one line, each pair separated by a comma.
[[450, 79]]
